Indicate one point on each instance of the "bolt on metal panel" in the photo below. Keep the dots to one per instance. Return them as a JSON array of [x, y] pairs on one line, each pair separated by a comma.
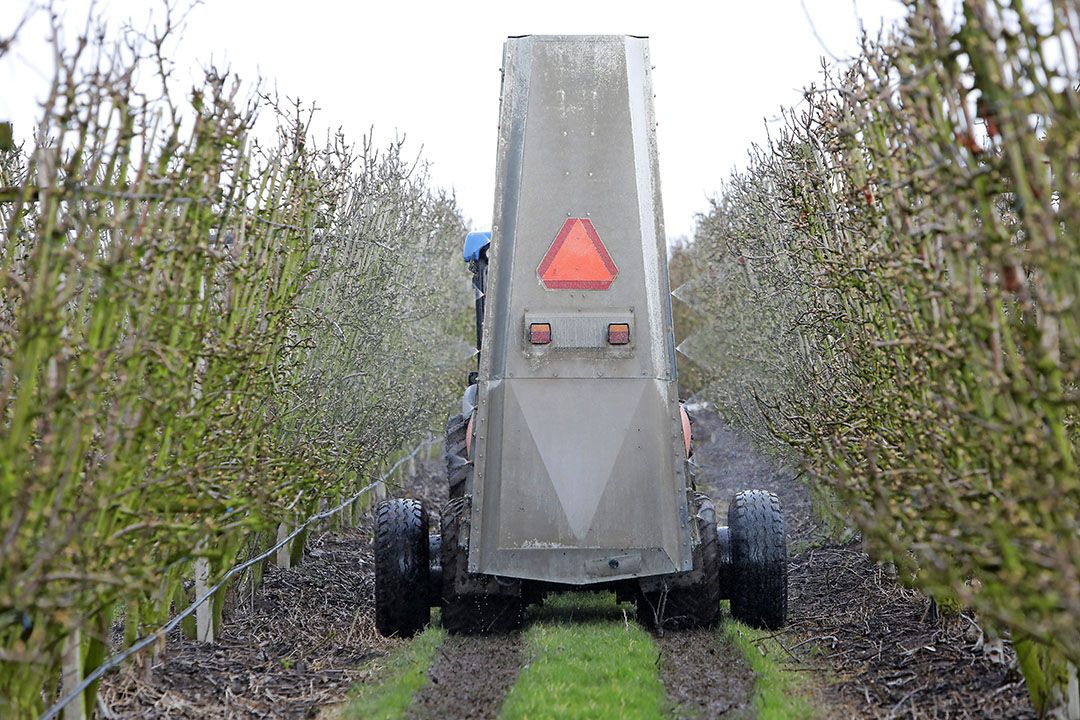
[[580, 471]]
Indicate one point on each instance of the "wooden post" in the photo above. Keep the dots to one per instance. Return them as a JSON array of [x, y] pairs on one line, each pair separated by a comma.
[[283, 557], [332, 523], [72, 675], [378, 493], [1074, 694], [204, 614]]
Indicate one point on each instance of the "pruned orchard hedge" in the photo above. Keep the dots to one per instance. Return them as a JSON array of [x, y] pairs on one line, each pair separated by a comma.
[[201, 335], [892, 288]]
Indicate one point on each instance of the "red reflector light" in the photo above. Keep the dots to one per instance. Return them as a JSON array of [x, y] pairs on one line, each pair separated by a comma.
[[540, 333], [577, 260], [618, 334]]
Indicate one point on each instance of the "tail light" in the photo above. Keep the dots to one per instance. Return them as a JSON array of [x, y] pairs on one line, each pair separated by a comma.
[[540, 333], [618, 334]]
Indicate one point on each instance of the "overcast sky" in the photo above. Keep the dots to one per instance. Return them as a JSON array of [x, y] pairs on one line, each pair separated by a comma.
[[430, 71]]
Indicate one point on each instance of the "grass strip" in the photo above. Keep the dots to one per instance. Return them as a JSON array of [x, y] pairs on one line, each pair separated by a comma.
[[586, 658], [387, 695], [779, 694]]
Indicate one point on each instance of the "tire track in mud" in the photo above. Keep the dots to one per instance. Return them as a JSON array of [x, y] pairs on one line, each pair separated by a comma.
[[705, 676], [469, 678]]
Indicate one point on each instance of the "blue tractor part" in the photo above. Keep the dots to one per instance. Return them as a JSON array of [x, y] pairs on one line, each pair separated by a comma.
[[475, 253], [475, 242]]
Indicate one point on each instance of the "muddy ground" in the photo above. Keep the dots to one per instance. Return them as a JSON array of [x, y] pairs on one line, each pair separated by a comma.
[[705, 676], [308, 634], [298, 643]]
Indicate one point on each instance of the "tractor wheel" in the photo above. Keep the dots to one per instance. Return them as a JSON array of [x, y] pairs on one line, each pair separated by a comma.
[[457, 464], [697, 606], [472, 614], [758, 559], [401, 567]]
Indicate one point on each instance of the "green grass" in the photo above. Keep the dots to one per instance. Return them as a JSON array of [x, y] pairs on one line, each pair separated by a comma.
[[585, 658], [779, 694], [387, 695]]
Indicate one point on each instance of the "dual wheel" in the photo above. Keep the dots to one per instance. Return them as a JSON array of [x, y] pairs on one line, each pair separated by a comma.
[[415, 571], [746, 562], [402, 567]]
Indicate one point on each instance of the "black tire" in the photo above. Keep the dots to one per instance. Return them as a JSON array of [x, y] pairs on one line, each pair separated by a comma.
[[723, 545], [472, 614], [435, 570], [401, 567], [685, 608], [457, 464], [758, 560]]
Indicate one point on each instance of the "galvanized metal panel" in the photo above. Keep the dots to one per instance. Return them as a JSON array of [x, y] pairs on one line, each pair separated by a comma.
[[580, 475]]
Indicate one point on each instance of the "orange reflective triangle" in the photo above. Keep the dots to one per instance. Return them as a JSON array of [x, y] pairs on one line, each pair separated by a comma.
[[577, 259]]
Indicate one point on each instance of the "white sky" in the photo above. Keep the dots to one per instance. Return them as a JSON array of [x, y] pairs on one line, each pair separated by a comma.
[[430, 71]]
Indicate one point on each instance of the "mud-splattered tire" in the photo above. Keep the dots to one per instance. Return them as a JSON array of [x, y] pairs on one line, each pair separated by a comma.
[[401, 567], [758, 559], [472, 614], [685, 608], [457, 464]]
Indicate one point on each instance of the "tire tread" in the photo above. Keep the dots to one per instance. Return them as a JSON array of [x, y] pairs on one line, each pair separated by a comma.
[[759, 592], [402, 605]]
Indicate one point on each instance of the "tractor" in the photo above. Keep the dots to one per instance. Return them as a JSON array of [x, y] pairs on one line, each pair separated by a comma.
[[569, 465]]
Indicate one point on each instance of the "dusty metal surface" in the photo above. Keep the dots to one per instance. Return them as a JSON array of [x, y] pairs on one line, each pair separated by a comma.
[[579, 463]]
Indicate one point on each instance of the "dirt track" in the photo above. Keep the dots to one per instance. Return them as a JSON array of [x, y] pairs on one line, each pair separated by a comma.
[[705, 676], [299, 643], [309, 634]]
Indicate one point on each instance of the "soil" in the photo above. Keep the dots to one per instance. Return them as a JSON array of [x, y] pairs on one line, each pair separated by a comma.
[[705, 676], [300, 642], [469, 678], [885, 652]]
